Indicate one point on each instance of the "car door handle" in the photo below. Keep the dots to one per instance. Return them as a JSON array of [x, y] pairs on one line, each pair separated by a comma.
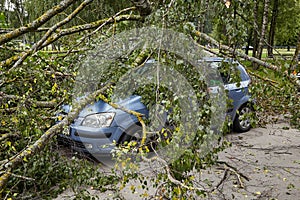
[[238, 90]]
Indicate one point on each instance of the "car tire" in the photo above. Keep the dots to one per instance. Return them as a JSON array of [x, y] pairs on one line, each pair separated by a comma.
[[135, 133], [242, 121], [132, 133]]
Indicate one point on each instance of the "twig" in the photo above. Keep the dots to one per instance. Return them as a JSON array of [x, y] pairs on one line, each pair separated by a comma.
[[42, 104], [168, 172], [18, 176], [234, 169], [272, 82], [7, 135], [225, 176], [229, 168]]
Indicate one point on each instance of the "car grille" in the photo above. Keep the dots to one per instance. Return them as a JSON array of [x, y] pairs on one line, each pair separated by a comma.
[[77, 144], [69, 142]]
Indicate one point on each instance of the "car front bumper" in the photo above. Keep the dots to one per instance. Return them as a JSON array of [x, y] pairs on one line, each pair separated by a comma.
[[91, 140]]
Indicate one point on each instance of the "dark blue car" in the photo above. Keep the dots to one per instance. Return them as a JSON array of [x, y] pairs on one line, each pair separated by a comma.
[[99, 126]]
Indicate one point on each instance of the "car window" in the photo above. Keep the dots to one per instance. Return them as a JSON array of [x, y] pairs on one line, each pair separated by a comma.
[[229, 71], [214, 75], [243, 73]]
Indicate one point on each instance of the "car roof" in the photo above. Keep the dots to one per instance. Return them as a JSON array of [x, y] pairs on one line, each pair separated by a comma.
[[204, 59], [217, 59]]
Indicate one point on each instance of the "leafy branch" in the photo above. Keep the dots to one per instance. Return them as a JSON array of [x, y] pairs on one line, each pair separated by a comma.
[[43, 140], [13, 162], [36, 23], [241, 54], [37, 45], [73, 30]]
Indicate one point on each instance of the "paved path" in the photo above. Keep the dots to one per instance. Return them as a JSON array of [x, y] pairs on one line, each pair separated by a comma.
[[269, 157]]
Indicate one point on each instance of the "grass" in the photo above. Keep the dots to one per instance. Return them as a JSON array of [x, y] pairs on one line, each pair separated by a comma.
[[277, 53]]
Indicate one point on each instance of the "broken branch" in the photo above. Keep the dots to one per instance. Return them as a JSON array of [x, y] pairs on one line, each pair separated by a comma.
[[36, 23]]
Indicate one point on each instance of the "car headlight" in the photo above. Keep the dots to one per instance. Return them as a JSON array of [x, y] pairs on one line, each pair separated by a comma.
[[98, 120]]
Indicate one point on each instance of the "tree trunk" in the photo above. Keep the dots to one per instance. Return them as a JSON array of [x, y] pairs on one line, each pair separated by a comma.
[[296, 56], [255, 29], [272, 28], [201, 22], [263, 29], [249, 41]]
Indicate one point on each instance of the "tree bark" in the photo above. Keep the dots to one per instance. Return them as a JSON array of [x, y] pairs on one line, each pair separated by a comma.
[[296, 56], [7, 30], [72, 30], [92, 25], [205, 4], [35, 103], [272, 28], [263, 29], [255, 29], [37, 45], [249, 42]]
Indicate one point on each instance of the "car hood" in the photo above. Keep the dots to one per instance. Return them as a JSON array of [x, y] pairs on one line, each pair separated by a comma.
[[131, 103]]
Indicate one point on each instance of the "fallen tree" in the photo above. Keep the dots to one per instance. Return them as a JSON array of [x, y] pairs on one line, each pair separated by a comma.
[[68, 31], [8, 165], [36, 23], [54, 71], [237, 53]]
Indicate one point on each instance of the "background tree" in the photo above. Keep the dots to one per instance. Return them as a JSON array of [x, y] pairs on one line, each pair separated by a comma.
[[275, 5], [288, 18], [263, 29]]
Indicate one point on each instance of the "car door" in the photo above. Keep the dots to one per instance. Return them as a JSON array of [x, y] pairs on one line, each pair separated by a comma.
[[236, 82]]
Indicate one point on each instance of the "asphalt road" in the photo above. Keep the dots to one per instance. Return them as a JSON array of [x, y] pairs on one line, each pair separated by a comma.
[[263, 163]]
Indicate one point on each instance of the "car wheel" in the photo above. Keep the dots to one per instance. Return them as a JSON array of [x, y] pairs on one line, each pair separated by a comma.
[[242, 121], [135, 134]]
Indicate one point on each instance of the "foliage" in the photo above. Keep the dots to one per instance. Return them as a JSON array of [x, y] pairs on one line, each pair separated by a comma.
[[232, 24], [2, 20], [287, 32], [276, 98], [50, 173], [31, 95]]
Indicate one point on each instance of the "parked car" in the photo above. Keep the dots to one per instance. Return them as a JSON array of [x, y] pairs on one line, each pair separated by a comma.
[[238, 92], [249, 47], [99, 126]]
